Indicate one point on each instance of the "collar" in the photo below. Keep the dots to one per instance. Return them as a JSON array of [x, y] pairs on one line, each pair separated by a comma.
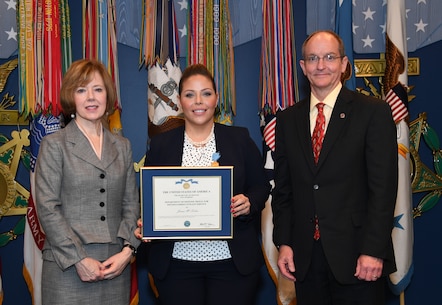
[[330, 99]]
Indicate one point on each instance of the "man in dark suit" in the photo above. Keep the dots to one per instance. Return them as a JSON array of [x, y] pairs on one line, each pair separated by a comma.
[[333, 213]]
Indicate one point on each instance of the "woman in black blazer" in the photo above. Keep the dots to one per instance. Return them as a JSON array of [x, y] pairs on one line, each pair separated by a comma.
[[210, 272]]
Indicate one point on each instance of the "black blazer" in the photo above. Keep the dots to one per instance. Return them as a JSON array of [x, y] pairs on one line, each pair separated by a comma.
[[352, 189], [237, 149]]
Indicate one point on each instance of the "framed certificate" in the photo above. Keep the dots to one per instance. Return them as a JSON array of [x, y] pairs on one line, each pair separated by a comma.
[[186, 202]]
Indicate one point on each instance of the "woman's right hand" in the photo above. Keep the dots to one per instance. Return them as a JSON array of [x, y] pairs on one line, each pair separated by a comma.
[[90, 270]]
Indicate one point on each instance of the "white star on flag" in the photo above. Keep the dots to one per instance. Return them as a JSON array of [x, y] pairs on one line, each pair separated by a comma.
[[12, 34], [367, 41], [183, 31], [183, 5], [11, 4], [369, 14], [420, 26]]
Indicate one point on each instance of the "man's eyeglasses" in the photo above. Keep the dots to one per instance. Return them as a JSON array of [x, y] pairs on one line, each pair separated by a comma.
[[314, 59]]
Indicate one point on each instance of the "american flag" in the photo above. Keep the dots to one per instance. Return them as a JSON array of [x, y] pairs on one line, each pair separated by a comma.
[[423, 22], [8, 28]]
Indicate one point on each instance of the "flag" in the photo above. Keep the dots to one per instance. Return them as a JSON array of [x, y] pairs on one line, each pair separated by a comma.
[[423, 22], [278, 86], [162, 93], [285, 289], [134, 295], [129, 22], [1, 285], [395, 82], [343, 29], [8, 28], [34, 237]]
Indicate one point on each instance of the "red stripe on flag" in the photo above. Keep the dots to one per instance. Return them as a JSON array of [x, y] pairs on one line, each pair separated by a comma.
[[134, 294], [398, 108], [269, 134]]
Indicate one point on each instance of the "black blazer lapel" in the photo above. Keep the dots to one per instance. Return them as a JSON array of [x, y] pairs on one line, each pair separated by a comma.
[[338, 121], [302, 121]]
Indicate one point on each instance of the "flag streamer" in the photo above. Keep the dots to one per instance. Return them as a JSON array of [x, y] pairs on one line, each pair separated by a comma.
[[100, 38], [209, 42], [44, 53]]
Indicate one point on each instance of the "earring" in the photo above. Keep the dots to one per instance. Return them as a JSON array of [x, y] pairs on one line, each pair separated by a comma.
[[72, 115]]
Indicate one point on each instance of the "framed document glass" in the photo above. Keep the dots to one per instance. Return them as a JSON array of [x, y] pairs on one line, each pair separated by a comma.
[[186, 202]]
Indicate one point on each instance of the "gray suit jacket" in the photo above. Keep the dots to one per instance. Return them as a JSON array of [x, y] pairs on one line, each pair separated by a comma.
[[87, 207]]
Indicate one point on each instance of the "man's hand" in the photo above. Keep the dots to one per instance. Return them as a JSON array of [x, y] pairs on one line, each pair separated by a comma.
[[369, 268], [286, 264]]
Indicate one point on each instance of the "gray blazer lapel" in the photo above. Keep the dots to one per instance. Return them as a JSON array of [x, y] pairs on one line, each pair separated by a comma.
[[109, 152], [83, 149]]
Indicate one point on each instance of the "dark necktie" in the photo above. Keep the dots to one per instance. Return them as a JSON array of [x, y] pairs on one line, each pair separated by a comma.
[[318, 132]]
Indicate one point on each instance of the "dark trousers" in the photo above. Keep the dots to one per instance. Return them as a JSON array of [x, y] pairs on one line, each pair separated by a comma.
[[206, 283], [321, 288]]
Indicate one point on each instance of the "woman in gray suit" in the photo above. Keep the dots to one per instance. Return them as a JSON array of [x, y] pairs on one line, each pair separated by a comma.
[[86, 197]]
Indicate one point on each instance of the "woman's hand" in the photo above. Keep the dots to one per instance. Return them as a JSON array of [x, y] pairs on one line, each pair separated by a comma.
[[90, 270], [137, 232], [240, 205], [115, 264]]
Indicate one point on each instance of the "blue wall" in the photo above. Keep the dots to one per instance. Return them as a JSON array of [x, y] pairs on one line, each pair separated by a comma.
[[425, 285]]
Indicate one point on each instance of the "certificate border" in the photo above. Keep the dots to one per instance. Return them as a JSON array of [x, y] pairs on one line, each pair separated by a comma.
[[148, 173]]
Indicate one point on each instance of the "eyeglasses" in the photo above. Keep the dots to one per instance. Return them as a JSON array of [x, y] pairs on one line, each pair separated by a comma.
[[314, 59]]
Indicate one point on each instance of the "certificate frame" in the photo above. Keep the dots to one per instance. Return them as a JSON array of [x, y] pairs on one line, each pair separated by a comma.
[[172, 197]]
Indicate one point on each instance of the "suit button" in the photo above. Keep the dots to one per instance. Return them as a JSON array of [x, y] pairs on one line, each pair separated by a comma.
[[102, 176], [102, 190], [316, 187], [102, 218], [101, 204]]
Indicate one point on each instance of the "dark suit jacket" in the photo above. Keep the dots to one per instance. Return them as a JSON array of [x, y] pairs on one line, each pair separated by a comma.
[[352, 190], [237, 149]]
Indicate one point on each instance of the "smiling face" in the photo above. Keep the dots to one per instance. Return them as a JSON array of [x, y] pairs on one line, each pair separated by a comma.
[[198, 100], [324, 75], [90, 99]]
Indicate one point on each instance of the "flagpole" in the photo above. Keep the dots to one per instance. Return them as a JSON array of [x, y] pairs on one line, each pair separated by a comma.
[[402, 298]]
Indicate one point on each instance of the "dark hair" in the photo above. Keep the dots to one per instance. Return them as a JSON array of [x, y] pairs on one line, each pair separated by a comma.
[[196, 69], [80, 73], [338, 38]]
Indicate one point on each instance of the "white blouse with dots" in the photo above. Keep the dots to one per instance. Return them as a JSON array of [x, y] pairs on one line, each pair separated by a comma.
[[200, 250]]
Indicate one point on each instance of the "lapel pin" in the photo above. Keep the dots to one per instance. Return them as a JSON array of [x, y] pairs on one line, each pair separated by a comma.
[[342, 115]]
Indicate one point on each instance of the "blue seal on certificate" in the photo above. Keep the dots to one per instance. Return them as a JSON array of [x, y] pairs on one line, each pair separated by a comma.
[[187, 223]]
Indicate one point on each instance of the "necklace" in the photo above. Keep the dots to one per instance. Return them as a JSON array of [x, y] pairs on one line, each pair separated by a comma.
[[200, 143], [199, 151]]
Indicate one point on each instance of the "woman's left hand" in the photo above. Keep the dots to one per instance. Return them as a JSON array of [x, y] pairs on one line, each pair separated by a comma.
[[115, 264], [240, 205]]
